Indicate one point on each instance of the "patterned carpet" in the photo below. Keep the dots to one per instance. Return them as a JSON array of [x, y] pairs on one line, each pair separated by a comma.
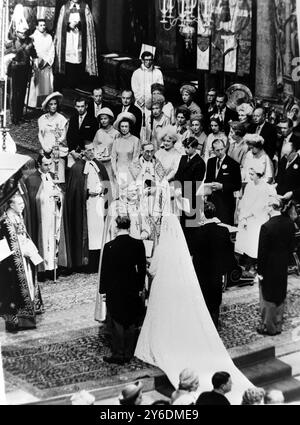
[[51, 369], [48, 370]]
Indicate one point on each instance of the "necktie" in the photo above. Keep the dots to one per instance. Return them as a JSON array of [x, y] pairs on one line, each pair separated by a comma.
[[124, 109], [80, 120], [218, 165]]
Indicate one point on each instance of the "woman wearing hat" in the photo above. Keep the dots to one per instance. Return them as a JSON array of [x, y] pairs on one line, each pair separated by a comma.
[[245, 112], [197, 131], [157, 119], [187, 92], [168, 155], [237, 145], [125, 149], [132, 394], [53, 128], [104, 139], [168, 108], [253, 213], [217, 132], [256, 155]]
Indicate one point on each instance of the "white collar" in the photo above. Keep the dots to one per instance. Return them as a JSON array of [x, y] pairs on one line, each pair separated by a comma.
[[191, 157]]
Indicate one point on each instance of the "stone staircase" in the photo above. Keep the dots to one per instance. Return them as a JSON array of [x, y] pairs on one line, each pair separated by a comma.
[[263, 369]]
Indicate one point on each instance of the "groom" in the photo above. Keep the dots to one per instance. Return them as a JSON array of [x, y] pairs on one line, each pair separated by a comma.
[[213, 257], [122, 278]]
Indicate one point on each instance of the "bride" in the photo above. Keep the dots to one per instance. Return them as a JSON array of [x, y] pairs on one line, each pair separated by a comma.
[[177, 331]]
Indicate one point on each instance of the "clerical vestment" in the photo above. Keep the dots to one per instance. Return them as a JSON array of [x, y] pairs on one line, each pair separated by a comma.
[[76, 45], [42, 80]]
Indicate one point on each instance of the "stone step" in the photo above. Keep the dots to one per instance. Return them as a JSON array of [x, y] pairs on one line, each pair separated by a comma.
[[254, 357], [289, 386], [270, 370]]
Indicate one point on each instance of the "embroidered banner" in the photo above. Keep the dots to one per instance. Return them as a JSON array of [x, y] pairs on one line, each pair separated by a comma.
[[228, 20]]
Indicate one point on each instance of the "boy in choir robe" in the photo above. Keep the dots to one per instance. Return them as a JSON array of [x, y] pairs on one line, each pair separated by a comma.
[[88, 193]]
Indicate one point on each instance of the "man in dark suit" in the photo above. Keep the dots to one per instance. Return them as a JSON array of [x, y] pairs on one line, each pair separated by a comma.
[[266, 130], [224, 176], [188, 178], [276, 244], [285, 127], [122, 278], [213, 257], [82, 127], [224, 113], [222, 385], [288, 176], [128, 105], [209, 108], [97, 103]]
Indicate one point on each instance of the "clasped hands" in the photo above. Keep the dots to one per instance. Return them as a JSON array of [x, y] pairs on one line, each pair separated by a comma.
[[216, 186]]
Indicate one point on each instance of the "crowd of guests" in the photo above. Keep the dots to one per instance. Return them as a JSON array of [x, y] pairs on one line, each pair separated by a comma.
[[188, 393], [148, 157]]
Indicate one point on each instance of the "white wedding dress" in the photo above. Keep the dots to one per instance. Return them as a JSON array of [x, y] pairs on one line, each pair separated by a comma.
[[178, 332]]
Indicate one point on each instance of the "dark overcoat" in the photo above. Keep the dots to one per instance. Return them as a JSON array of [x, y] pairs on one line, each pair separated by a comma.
[[122, 277], [276, 244]]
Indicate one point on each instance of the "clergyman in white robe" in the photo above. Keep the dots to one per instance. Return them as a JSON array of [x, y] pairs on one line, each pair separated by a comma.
[[42, 80]]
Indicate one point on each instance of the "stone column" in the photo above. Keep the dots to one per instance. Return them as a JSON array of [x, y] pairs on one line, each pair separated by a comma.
[[265, 84]]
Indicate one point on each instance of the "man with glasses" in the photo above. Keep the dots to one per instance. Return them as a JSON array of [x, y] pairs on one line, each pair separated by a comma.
[[143, 77]]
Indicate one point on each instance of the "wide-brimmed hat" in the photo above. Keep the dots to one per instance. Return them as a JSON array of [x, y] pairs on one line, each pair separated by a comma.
[[51, 96], [130, 392], [189, 88], [121, 116], [106, 111]]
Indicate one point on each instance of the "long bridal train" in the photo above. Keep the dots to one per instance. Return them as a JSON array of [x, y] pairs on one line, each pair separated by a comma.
[[177, 331]]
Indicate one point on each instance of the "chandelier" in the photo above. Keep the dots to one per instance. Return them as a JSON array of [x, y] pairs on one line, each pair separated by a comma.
[[187, 13]]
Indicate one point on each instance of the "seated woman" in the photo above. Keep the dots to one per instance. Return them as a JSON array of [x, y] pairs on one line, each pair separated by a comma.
[[157, 119], [168, 155], [125, 149], [237, 145], [197, 131], [103, 140], [253, 396], [256, 156], [253, 213], [186, 391], [168, 108], [188, 92], [53, 128], [216, 133]]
